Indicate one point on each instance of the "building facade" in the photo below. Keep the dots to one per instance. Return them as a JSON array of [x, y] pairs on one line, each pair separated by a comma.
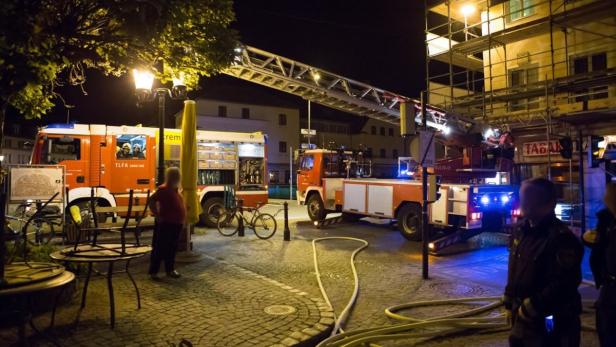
[[280, 124], [16, 145]]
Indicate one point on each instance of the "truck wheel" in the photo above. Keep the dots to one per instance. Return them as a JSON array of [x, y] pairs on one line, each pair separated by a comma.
[[409, 222], [212, 209], [315, 207]]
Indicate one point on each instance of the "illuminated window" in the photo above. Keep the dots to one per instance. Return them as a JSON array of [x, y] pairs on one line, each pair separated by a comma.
[[274, 176], [518, 9]]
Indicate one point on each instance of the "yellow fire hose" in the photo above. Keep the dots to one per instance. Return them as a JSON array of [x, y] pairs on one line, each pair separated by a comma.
[[411, 328]]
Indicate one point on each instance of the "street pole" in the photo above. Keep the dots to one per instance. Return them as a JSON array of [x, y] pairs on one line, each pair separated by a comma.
[[309, 135], [291, 173], [581, 181], [424, 208], [162, 95], [2, 219]]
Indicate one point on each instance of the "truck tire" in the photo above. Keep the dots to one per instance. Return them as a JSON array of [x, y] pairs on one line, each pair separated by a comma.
[[409, 222], [315, 207], [212, 207]]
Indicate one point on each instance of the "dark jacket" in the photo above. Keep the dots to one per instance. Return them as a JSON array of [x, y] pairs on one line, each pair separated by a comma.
[[544, 270], [603, 254]]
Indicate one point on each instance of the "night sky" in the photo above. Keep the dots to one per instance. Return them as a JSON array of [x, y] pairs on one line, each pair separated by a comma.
[[377, 42]]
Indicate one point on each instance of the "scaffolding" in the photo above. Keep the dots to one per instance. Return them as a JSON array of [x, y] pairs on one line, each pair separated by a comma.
[[541, 68], [471, 73]]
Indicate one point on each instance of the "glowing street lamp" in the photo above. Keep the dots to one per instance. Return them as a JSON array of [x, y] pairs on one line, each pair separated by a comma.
[[467, 10], [143, 84], [143, 88], [316, 76]]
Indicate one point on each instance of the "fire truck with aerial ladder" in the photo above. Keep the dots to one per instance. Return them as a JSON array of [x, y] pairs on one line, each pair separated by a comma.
[[469, 190], [476, 191]]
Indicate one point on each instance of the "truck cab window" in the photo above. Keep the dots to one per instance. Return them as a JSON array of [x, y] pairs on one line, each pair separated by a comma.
[[307, 163], [130, 147], [58, 149]]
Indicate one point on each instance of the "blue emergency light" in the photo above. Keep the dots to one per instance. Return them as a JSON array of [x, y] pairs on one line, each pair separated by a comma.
[[405, 173], [61, 126], [495, 200]]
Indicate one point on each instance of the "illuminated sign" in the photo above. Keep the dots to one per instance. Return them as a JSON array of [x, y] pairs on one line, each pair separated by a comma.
[[251, 150], [539, 148]]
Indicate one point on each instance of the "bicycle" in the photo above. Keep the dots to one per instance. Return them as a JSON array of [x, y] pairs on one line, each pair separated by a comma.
[[42, 220], [40, 231], [263, 224]]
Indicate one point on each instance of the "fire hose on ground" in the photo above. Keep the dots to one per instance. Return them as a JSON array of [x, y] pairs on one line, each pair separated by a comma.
[[410, 328]]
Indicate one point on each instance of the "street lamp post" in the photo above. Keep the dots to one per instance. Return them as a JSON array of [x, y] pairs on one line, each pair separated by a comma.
[[143, 87], [309, 116]]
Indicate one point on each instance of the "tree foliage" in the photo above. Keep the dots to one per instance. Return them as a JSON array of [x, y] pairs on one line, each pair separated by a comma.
[[48, 43]]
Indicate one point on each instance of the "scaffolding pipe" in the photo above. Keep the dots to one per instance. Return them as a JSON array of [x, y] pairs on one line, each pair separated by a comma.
[[449, 38], [566, 48], [490, 58], [552, 40], [581, 182], [427, 47], [548, 128]]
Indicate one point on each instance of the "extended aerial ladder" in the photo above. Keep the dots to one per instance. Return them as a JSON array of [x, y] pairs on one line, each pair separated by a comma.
[[331, 90]]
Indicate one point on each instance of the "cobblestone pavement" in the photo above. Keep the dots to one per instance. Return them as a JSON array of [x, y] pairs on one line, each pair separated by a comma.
[[213, 304], [389, 271]]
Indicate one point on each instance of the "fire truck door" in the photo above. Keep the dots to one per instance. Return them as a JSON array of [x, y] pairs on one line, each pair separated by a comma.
[[307, 175], [131, 165]]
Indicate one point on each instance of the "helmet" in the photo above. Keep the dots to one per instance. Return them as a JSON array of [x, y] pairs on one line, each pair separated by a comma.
[[126, 146]]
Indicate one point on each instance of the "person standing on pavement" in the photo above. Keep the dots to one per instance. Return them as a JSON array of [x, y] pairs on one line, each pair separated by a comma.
[[602, 242], [545, 258], [168, 207]]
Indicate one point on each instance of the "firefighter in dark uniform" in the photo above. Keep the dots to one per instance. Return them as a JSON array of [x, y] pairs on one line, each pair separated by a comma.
[[545, 258], [602, 242]]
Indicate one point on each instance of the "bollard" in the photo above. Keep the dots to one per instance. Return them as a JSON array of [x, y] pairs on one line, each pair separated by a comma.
[[287, 231], [240, 226]]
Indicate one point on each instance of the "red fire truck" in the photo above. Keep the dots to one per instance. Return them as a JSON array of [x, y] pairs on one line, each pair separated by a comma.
[[111, 160], [477, 196]]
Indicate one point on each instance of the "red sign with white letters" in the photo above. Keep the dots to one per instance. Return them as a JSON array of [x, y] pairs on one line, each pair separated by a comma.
[[533, 149]]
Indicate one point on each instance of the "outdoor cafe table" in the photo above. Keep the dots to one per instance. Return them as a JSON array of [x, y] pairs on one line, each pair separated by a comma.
[[103, 253], [57, 279]]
